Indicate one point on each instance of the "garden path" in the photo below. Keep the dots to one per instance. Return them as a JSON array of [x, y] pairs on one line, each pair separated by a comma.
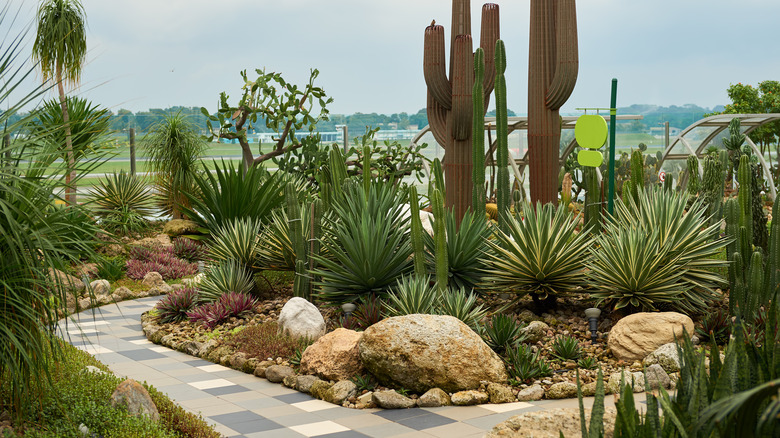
[[242, 405]]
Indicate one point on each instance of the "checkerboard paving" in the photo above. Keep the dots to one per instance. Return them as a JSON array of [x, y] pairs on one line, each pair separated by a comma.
[[242, 405]]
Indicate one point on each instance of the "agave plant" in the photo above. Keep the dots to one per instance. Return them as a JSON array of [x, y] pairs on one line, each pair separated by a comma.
[[122, 201], [236, 240], [462, 305], [277, 252], [367, 244], [227, 276], [229, 194], [412, 295], [679, 254], [465, 255], [502, 332], [542, 254]]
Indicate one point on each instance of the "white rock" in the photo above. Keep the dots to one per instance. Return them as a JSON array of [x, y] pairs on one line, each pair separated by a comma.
[[301, 319], [666, 356], [100, 287]]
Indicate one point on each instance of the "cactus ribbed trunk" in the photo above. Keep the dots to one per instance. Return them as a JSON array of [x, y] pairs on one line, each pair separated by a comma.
[[450, 105], [553, 63]]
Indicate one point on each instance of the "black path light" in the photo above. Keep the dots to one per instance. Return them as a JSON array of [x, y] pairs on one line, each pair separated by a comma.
[[593, 313]]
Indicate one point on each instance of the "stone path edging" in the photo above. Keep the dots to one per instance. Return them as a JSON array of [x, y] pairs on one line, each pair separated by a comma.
[[242, 405]]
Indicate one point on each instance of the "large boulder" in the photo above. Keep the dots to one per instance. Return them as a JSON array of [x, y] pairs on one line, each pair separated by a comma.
[[135, 398], [637, 335], [177, 227], [301, 319], [420, 352], [334, 356], [550, 423]]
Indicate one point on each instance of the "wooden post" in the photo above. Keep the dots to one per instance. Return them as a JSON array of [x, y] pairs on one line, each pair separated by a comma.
[[132, 151]]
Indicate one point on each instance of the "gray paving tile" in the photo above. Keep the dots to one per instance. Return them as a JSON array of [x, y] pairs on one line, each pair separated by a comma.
[[347, 434], [297, 397], [246, 422], [143, 354], [401, 414], [425, 421], [232, 389]]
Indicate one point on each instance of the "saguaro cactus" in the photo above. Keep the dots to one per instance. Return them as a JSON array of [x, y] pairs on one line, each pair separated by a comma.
[[450, 98], [553, 62]]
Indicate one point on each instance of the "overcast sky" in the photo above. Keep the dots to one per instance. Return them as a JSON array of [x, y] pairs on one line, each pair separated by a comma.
[[159, 53]]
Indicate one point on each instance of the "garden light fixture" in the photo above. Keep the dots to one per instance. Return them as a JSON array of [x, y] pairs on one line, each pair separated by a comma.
[[592, 314]]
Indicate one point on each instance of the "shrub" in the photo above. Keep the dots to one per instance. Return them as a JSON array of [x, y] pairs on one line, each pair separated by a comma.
[[188, 249], [368, 311], [174, 306], [229, 304], [588, 363], [715, 326], [147, 259], [237, 304], [264, 341], [227, 276], [542, 255], [277, 252], [502, 332]]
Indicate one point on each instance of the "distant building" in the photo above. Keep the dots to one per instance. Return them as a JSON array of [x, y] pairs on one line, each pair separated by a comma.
[[658, 131]]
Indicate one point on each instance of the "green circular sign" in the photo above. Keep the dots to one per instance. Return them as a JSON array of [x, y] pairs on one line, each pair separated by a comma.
[[591, 131]]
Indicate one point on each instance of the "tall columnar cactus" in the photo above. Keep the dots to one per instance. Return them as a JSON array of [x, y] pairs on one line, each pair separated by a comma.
[[745, 195], [773, 254], [694, 180], [450, 102], [502, 139], [297, 239], [366, 169], [712, 187], [436, 180], [440, 241], [592, 201], [637, 174], [315, 232], [553, 62], [731, 214], [478, 135], [418, 247]]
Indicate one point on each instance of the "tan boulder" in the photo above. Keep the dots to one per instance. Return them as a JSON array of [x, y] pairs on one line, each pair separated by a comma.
[[637, 335], [334, 356], [136, 399], [420, 352], [177, 227], [550, 423]]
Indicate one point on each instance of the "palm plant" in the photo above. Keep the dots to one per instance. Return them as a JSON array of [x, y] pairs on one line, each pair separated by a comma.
[[542, 254], [122, 202], [366, 242], [229, 194], [36, 237], [465, 253], [60, 49], [174, 148]]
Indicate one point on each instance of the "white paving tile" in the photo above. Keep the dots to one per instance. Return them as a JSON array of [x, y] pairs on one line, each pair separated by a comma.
[[506, 407], [77, 331], [160, 349], [212, 368], [95, 349], [210, 384], [141, 342], [313, 405], [91, 323], [319, 428]]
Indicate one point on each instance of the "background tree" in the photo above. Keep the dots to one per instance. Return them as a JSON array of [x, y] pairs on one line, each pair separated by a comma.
[[281, 106], [174, 148], [746, 99], [60, 48]]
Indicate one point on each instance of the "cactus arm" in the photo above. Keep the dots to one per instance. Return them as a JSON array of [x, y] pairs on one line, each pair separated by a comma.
[[462, 83], [566, 54], [502, 132], [745, 196], [478, 137], [461, 25], [773, 253], [440, 241], [434, 66], [437, 120], [489, 35]]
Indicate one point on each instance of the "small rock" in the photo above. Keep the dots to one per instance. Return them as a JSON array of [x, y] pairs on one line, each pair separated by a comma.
[[206, 348], [562, 390], [334, 356], [301, 319], [304, 383], [666, 356], [85, 303], [532, 393], [100, 287], [535, 331], [433, 398], [341, 391], [238, 360], [261, 368], [277, 373], [468, 398], [366, 398], [319, 388], [391, 400], [153, 279], [500, 393], [94, 369], [84, 430], [657, 377], [191, 347], [135, 398]]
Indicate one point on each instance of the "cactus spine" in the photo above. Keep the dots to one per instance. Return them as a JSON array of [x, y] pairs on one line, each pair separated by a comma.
[[440, 241], [418, 247], [553, 62], [745, 196], [450, 98], [478, 136], [502, 139]]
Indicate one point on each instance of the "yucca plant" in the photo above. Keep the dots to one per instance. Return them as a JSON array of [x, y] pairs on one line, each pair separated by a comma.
[[462, 305], [122, 202], [411, 295], [465, 254], [367, 244], [229, 193], [236, 240], [276, 252], [542, 255], [671, 237], [226, 276]]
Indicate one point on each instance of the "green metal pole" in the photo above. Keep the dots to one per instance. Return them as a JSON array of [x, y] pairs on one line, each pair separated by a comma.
[[612, 122]]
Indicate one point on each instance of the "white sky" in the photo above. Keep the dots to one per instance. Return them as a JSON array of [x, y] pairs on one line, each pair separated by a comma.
[[155, 54]]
